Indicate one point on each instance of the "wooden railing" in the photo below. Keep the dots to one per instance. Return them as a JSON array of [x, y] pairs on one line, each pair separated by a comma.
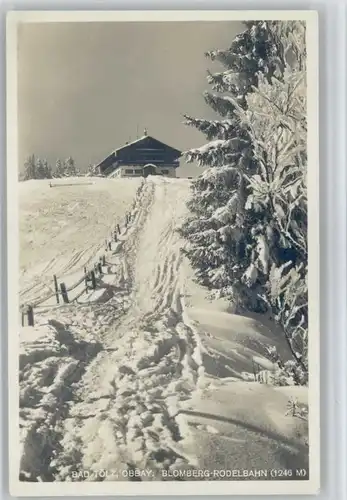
[[90, 278]]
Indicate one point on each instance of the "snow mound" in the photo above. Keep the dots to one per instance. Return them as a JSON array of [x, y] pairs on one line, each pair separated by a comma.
[[52, 358], [245, 426]]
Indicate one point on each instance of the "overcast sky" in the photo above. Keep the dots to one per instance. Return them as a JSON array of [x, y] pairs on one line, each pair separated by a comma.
[[84, 88]]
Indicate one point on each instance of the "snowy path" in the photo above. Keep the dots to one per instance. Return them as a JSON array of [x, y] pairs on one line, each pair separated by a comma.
[[133, 389], [122, 410]]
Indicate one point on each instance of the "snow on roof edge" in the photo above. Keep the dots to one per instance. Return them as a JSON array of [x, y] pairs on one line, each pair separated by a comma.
[[129, 143], [144, 137]]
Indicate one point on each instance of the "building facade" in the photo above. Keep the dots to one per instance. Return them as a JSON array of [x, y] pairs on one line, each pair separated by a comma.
[[140, 158]]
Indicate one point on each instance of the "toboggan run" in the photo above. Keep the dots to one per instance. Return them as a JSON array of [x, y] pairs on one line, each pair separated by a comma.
[[149, 373]]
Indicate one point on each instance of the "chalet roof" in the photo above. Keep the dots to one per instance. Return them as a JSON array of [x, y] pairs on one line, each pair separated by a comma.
[[145, 138], [110, 158], [130, 143]]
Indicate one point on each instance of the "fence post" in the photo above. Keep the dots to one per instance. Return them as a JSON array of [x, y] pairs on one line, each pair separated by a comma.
[[109, 245], [118, 227], [99, 266], [23, 318], [64, 293], [56, 288], [92, 276], [115, 235], [106, 245], [85, 277], [30, 312], [103, 260], [254, 371]]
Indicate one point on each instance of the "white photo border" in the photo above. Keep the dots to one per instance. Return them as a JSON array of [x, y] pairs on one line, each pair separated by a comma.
[[160, 488]]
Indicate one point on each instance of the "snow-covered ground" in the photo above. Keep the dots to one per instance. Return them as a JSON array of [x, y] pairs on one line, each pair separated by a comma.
[[148, 373], [64, 227]]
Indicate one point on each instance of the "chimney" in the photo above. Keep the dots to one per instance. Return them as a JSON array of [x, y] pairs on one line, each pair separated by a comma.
[[145, 132]]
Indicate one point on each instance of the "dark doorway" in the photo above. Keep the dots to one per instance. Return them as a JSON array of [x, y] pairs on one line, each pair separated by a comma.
[[149, 170]]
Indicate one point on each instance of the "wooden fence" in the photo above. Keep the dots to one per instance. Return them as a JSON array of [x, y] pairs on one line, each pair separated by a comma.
[[90, 278], [52, 185]]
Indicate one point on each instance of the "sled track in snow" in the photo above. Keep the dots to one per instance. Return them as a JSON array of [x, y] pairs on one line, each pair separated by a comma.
[[126, 406], [157, 363]]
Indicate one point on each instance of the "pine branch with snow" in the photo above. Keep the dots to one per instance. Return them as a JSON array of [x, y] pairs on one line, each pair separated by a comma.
[[247, 235], [219, 196]]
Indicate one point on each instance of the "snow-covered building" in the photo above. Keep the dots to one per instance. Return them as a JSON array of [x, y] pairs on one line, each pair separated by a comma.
[[143, 157]]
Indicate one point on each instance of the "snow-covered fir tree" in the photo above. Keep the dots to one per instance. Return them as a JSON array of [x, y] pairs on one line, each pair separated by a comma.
[[277, 192], [40, 169], [59, 169], [70, 167], [91, 170], [29, 168], [247, 233], [35, 168], [47, 169], [218, 231]]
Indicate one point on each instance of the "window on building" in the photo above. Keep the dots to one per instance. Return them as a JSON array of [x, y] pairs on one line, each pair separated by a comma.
[[129, 171], [138, 172], [165, 172]]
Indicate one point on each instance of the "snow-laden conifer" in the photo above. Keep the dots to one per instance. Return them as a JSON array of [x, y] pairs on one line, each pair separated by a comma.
[[29, 168], [70, 169], [59, 169], [219, 194], [247, 235]]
